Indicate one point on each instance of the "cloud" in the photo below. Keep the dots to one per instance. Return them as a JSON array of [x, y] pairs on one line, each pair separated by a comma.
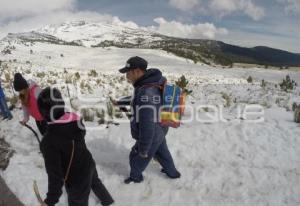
[[227, 7], [17, 8], [185, 5], [194, 31], [291, 6], [252, 10], [221, 8], [116, 21]]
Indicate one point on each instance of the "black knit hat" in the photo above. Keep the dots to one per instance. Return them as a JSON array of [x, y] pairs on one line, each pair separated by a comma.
[[19, 82]]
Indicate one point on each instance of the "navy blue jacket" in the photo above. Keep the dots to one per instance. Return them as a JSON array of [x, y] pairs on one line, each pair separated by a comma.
[[1, 91], [145, 126]]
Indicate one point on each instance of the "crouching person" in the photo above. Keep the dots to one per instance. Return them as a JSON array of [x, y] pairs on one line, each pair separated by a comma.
[[28, 94], [68, 161]]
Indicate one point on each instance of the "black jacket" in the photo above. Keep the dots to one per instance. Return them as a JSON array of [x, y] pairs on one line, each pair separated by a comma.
[[56, 148]]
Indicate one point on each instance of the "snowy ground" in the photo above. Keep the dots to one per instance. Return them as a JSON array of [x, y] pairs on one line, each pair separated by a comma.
[[231, 162]]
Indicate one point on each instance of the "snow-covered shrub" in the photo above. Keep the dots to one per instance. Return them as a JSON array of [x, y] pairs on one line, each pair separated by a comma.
[[5, 154], [53, 73], [295, 106], [182, 82], [84, 86], [93, 73], [69, 79], [6, 51], [118, 114], [110, 109], [249, 79], [121, 79], [51, 81], [297, 115], [7, 77], [99, 82], [77, 76], [101, 121], [205, 109], [263, 83], [87, 114], [41, 74], [227, 99], [266, 104], [287, 84], [27, 71], [100, 113]]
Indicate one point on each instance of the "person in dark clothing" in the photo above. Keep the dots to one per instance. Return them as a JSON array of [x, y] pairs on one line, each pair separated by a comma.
[[67, 159], [4, 111], [145, 127]]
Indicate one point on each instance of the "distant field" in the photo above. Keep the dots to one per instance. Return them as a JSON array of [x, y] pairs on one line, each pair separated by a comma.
[[248, 66]]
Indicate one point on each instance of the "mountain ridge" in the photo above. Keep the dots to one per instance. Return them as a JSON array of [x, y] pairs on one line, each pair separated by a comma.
[[104, 34]]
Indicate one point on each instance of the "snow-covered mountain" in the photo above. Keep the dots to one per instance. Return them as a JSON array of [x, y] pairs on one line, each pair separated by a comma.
[[94, 33], [87, 34], [107, 34]]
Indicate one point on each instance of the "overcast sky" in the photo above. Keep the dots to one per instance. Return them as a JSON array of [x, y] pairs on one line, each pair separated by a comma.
[[273, 23]]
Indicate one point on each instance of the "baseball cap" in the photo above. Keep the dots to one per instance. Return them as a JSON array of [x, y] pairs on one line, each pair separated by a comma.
[[134, 63]]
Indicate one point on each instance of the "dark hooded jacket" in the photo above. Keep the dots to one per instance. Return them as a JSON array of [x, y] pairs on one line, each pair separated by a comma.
[[1, 91], [56, 148], [147, 100]]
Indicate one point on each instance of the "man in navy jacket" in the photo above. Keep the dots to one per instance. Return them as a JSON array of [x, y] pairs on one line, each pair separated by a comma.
[[145, 127]]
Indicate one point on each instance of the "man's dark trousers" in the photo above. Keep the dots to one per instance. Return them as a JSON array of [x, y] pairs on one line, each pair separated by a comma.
[[160, 151]]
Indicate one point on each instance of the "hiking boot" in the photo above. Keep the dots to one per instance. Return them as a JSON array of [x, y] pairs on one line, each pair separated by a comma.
[[177, 175], [130, 180]]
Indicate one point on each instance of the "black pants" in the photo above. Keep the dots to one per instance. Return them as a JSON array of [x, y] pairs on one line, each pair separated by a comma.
[[42, 126], [78, 195]]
